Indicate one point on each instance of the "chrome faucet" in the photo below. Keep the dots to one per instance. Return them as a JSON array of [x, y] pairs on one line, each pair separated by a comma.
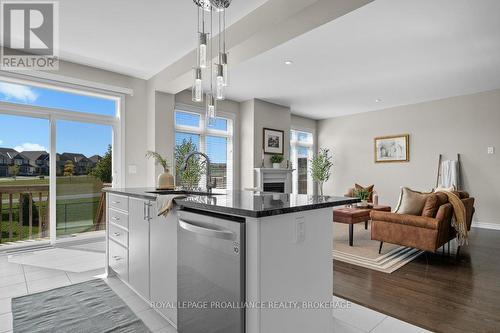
[[209, 168]]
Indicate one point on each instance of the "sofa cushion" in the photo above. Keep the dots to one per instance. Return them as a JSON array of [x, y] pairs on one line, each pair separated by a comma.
[[431, 206], [411, 202], [358, 187]]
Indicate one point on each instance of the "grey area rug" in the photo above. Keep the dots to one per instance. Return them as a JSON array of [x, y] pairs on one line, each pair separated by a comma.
[[90, 306]]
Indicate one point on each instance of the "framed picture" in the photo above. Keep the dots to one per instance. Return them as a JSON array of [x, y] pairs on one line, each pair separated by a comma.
[[273, 141], [395, 148]]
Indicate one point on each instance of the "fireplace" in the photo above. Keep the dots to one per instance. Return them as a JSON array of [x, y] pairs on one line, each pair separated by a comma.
[[273, 180], [274, 187]]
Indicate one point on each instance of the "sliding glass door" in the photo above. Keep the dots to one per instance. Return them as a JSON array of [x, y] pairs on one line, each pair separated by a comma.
[[24, 179], [83, 168], [58, 148]]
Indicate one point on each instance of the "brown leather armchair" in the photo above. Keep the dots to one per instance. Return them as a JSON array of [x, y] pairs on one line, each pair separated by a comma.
[[421, 232]]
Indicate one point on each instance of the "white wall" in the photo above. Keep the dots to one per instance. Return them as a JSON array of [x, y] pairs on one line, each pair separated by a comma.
[[135, 113], [247, 147], [465, 124], [257, 115]]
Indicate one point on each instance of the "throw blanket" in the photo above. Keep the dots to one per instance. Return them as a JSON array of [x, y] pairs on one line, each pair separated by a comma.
[[459, 221], [449, 173], [165, 203]]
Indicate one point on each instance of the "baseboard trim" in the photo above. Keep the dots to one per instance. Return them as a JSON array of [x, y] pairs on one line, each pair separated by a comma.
[[485, 225]]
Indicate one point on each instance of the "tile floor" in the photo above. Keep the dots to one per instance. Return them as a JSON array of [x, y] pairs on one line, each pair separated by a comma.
[[21, 279]]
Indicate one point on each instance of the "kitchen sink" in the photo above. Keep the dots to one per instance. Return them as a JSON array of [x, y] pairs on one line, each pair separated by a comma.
[[185, 192]]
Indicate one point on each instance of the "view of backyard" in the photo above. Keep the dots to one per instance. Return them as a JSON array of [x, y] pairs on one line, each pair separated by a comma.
[[76, 208], [82, 162]]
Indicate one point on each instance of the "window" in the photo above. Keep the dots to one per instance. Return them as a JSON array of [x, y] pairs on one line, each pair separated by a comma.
[[58, 99], [215, 140], [52, 140], [301, 151]]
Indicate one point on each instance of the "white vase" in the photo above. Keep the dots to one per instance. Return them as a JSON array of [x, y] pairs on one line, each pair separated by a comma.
[[165, 181], [276, 165]]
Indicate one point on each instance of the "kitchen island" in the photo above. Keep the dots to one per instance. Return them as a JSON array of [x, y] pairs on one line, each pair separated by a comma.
[[262, 260]]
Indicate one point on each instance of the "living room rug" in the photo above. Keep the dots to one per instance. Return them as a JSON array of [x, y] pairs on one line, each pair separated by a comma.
[[364, 251], [89, 306]]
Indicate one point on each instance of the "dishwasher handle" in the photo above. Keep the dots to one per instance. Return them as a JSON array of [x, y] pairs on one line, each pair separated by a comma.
[[205, 231]]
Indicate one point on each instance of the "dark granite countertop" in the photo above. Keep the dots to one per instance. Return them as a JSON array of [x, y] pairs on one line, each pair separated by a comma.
[[245, 203]]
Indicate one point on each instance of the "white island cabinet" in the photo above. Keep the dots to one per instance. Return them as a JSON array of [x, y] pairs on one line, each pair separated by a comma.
[[138, 250], [285, 272], [163, 264], [142, 250]]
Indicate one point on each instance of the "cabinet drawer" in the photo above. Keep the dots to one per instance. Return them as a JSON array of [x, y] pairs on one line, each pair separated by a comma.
[[118, 234], [118, 259], [119, 218], [118, 202]]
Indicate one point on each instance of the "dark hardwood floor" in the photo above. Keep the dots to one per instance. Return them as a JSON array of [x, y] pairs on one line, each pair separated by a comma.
[[434, 292]]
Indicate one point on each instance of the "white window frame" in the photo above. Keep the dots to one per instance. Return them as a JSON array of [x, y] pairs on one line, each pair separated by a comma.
[[203, 131], [310, 146], [117, 123]]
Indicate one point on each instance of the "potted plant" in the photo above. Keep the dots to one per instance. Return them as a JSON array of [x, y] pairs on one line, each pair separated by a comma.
[[320, 168], [165, 179], [362, 194], [276, 161]]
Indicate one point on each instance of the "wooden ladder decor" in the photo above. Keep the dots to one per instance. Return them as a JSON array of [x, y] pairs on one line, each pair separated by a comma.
[[459, 181]]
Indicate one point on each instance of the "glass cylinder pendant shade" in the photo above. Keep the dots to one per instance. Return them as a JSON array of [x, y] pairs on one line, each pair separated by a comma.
[[211, 112], [220, 90], [202, 50], [225, 68], [197, 89]]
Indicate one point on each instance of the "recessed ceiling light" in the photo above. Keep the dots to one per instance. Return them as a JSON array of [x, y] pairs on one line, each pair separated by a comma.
[[378, 100], [288, 62]]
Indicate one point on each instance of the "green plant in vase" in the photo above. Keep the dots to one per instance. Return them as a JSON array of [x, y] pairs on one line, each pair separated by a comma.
[[320, 168], [276, 160], [363, 195], [165, 179]]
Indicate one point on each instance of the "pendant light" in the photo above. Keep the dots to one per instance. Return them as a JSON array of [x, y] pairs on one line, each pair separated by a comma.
[[219, 72], [201, 53], [211, 111], [197, 88]]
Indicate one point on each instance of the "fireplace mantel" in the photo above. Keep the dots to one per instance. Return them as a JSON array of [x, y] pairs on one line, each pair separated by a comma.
[[272, 175]]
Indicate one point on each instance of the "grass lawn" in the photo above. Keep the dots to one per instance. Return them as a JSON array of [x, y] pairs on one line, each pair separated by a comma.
[[65, 185]]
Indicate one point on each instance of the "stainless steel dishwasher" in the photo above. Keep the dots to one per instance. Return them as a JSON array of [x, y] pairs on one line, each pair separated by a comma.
[[211, 273]]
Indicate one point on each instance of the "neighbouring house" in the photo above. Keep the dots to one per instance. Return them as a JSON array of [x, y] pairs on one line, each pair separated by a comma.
[[82, 164], [37, 163], [39, 160], [95, 159], [23, 162], [6, 160]]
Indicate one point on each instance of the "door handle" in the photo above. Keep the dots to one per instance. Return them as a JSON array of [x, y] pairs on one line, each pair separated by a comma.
[[116, 234], [115, 202], [115, 218], [204, 230], [117, 258]]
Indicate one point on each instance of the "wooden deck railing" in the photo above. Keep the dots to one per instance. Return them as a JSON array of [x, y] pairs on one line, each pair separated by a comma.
[[37, 195]]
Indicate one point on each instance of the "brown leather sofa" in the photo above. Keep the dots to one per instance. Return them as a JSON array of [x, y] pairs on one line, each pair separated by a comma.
[[427, 232]]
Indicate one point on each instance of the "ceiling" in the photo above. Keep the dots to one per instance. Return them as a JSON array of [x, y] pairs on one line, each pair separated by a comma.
[[137, 38], [398, 52]]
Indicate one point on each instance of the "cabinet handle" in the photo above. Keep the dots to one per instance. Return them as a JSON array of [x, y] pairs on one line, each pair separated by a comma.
[[115, 202], [115, 218], [116, 234], [117, 258], [149, 211]]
